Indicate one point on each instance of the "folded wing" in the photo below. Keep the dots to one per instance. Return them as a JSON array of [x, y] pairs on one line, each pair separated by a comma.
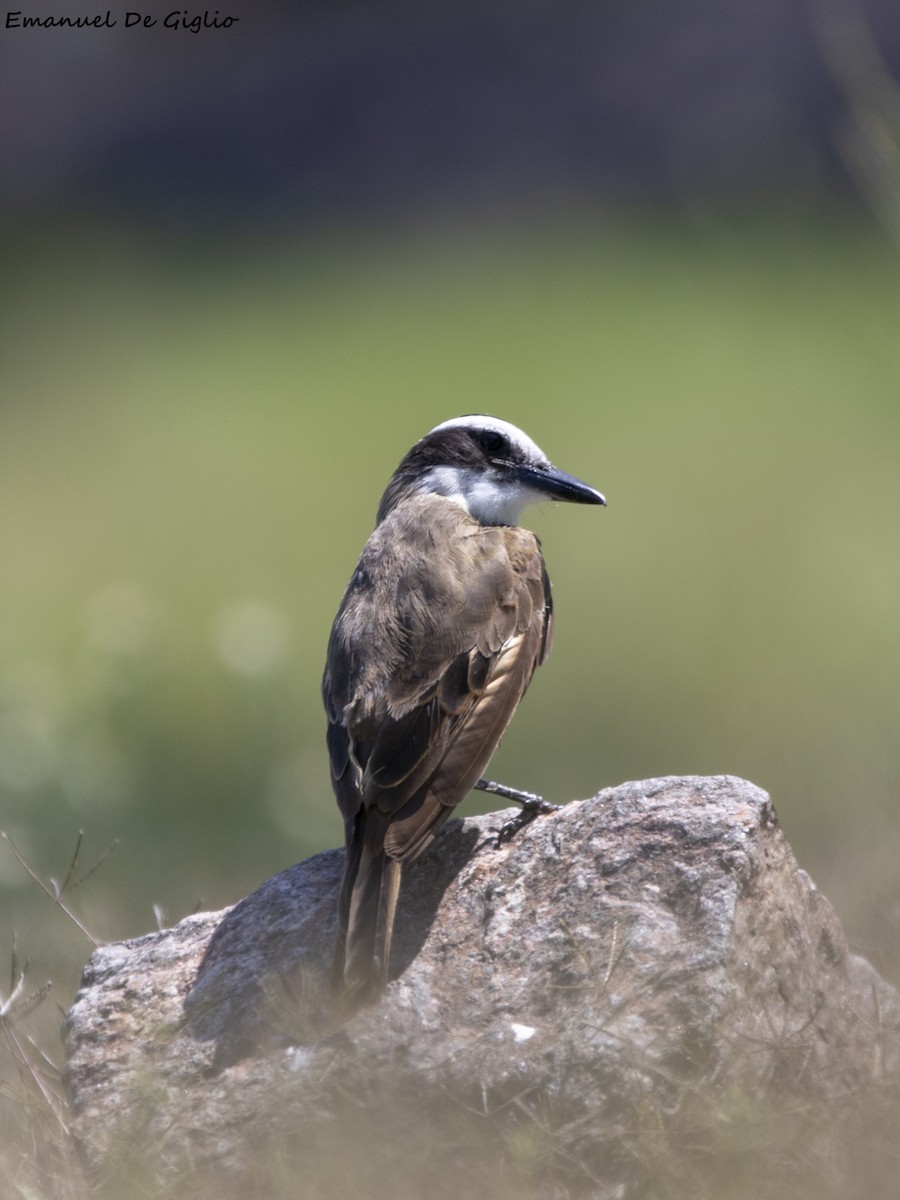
[[428, 661]]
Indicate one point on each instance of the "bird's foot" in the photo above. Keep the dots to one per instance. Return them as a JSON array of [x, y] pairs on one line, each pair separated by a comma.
[[532, 806]]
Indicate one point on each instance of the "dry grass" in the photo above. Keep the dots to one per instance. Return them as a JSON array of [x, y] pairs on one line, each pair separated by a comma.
[[720, 1143]]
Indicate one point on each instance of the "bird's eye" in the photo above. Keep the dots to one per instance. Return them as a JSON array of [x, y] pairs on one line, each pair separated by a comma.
[[492, 442]]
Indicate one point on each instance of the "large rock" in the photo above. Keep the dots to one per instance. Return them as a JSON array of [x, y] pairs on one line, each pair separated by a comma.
[[561, 998]]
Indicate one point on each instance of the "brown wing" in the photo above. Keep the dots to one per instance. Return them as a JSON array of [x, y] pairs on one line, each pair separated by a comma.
[[429, 657], [459, 638]]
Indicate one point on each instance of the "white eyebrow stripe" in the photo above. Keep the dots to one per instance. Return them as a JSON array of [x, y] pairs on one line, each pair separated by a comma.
[[531, 450]]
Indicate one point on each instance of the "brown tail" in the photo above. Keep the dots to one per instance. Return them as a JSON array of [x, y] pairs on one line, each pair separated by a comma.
[[366, 910]]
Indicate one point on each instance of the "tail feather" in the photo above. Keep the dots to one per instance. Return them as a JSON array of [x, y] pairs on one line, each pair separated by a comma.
[[390, 891], [368, 904]]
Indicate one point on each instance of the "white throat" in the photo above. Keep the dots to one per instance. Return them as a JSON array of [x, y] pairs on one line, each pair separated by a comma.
[[489, 500]]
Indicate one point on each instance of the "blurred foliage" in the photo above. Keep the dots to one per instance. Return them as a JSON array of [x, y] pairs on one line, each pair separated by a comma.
[[191, 454]]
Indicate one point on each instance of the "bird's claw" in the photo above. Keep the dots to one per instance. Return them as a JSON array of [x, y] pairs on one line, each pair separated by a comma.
[[532, 807]]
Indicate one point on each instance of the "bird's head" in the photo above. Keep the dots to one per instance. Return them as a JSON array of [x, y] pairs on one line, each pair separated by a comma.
[[487, 466]]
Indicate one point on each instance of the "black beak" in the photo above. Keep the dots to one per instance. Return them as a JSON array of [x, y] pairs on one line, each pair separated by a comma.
[[557, 485]]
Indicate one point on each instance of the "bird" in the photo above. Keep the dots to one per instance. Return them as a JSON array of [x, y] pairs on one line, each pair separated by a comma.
[[440, 629]]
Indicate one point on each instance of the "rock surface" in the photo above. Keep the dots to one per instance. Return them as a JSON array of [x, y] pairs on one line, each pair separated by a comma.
[[616, 960]]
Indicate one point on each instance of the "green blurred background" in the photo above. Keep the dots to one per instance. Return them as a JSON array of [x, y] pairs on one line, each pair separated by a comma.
[[194, 459], [196, 425]]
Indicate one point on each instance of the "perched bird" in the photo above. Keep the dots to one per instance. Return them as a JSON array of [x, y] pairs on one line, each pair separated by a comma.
[[436, 639]]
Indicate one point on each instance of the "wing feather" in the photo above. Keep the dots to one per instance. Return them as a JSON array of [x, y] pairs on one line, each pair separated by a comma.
[[429, 657]]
